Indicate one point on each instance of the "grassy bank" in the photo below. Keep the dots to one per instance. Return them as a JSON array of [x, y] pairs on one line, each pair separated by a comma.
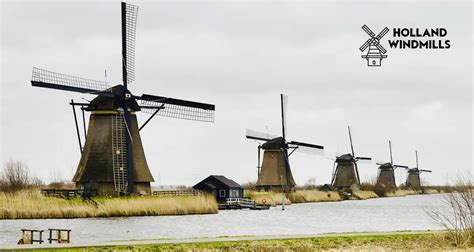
[[314, 195], [427, 242], [32, 205]]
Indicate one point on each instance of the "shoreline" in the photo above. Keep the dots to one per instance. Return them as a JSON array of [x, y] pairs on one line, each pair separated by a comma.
[[361, 240], [158, 206], [316, 196]]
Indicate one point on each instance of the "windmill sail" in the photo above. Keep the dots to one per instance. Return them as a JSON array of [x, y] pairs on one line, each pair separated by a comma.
[[350, 140], [48, 79], [252, 134], [401, 166], [129, 24], [390, 148], [284, 104], [177, 108], [307, 147]]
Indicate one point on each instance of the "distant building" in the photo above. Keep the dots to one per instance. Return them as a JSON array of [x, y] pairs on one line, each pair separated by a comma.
[[221, 187]]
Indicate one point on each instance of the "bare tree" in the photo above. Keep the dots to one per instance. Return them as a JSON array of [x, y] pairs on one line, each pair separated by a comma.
[[311, 184], [16, 176], [458, 219]]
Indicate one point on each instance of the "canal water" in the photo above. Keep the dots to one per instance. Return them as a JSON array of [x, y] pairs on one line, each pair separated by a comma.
[[383, 214]]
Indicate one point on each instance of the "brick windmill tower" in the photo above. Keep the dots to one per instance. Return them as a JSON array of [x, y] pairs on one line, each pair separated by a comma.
[[112, 159], [274, 173]]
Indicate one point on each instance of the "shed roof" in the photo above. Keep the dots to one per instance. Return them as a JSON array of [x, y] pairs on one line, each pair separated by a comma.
[[226, 181], [214, 181]]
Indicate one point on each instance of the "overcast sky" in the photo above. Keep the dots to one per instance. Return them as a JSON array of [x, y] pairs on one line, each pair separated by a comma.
[[240, 57]]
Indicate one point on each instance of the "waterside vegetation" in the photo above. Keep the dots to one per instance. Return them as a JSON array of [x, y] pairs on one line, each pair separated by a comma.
[[30, 204], [425, 242]]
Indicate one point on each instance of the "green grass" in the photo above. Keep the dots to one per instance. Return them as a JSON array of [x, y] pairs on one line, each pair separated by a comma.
[[368, 242]]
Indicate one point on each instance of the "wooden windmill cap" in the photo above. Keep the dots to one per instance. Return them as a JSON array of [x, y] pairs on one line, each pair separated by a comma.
[[386, 166], [274, 144], [346, 158], [114, 101]]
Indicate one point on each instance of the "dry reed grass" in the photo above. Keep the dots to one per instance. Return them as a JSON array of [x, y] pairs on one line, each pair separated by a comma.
[[401, 193], [268, 198], [305, 196], [300, 196], [431, 191], [32, 205], [363, 195]]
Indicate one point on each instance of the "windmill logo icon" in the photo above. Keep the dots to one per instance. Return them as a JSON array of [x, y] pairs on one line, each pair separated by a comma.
[[376, 51]]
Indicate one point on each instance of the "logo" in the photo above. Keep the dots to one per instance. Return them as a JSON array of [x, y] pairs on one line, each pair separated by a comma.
[[420, 38], [376, 51]]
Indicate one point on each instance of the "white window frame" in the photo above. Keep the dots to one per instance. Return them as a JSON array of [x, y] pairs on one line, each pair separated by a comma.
[[234, 193], [221, 193]]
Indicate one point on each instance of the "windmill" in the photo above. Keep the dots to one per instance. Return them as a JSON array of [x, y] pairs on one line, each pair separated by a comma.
[[345, 171], [413, 178], [376, 51], [386, 173], [112, 158], [274, 173]]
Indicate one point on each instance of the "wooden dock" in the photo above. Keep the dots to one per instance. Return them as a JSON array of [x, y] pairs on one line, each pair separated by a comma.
[[241, 203]]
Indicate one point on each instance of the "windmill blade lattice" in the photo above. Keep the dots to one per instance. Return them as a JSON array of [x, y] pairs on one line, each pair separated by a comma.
[[401, 166], [284, 104], [49, 79], [256, 135], [129, 24], [176, 108], [307, 148]]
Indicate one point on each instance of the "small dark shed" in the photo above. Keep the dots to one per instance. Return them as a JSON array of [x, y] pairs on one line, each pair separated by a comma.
[[221, 187]]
